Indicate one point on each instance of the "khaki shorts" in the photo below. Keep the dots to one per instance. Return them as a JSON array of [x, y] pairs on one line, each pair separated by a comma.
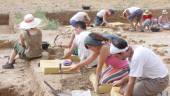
[[150, 87]]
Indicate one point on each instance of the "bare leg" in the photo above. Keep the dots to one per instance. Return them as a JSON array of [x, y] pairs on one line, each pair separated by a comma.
[[16, 57], [12, 56], [136, 24], [132, 25]]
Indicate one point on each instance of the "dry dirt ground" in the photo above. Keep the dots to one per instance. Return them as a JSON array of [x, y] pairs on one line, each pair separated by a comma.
[[158, 41], [7, 6], [22, 82]]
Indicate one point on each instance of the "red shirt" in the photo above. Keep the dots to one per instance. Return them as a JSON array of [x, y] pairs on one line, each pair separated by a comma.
[[147, 17]]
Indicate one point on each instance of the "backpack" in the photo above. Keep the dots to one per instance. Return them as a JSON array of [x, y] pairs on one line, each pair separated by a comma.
[[155, 26], [45, 45]]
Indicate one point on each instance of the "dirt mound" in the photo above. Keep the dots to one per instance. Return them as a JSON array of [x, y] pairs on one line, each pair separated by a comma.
[[81, 82], [8, 91]]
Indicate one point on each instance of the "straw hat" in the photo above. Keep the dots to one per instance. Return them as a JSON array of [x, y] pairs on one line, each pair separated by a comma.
[[147, 12], [164, 12], [29, 22]]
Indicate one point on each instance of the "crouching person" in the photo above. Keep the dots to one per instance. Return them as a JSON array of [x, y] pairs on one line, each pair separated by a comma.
[[147, 19], [102, 15], [99, 46], [30, 40], [148, 74], [133, 15]]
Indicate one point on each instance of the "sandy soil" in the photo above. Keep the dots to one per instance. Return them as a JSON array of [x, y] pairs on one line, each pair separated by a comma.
[[24, 6], [20, 82], [157, 41], [16, 82]]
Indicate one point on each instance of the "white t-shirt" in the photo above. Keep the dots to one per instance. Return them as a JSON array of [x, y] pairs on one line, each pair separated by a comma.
[[132, 9], [101, 13], [80, 16], [145, 63], [83, 53]]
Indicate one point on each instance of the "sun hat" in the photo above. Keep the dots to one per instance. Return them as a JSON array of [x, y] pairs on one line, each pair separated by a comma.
[[29, 22], [147, 12], [164, 11]]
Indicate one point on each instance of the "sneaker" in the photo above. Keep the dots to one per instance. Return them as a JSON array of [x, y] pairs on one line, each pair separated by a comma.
[[8, 66], [142, 30], [132, 29]]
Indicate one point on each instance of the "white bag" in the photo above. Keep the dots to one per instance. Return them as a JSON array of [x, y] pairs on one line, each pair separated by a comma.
[[80, 93], [163, 93]]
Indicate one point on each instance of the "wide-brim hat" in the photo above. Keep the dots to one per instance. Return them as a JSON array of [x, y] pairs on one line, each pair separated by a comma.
[[29, 22], [164, 12], [147, 12]]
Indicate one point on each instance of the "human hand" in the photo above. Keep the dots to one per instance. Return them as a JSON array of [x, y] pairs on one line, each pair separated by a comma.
[[87, 23], [117, 83], [74, 68], [96, 85]]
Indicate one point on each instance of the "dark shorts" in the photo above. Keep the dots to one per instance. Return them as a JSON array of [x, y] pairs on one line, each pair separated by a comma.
[[98, 21], [136, 15], [20, 50]]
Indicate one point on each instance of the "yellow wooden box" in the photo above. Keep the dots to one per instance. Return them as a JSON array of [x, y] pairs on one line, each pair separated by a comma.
[[104, 88], [115, 91], [53, 66]]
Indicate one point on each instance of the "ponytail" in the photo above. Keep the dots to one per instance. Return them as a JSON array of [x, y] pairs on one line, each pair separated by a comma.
[[98, 37]]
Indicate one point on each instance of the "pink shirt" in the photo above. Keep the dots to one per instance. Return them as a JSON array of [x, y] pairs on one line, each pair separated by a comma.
[[116, 62]]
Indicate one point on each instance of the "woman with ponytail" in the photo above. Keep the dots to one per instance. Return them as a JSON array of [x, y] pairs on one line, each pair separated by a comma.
[[101, 45]]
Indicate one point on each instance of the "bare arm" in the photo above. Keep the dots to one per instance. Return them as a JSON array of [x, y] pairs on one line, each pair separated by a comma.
[[130, 19], [87, 19], [121, 82], [68, 54], [102, 58], [89, 60], [104, 17], [130, 86], [167, 19], [21, 40], [71, 41], [160, 20]]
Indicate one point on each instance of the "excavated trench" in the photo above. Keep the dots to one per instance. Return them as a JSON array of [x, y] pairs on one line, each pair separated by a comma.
[[64, 16], [8, 91], [20, 81], [5, 24]]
